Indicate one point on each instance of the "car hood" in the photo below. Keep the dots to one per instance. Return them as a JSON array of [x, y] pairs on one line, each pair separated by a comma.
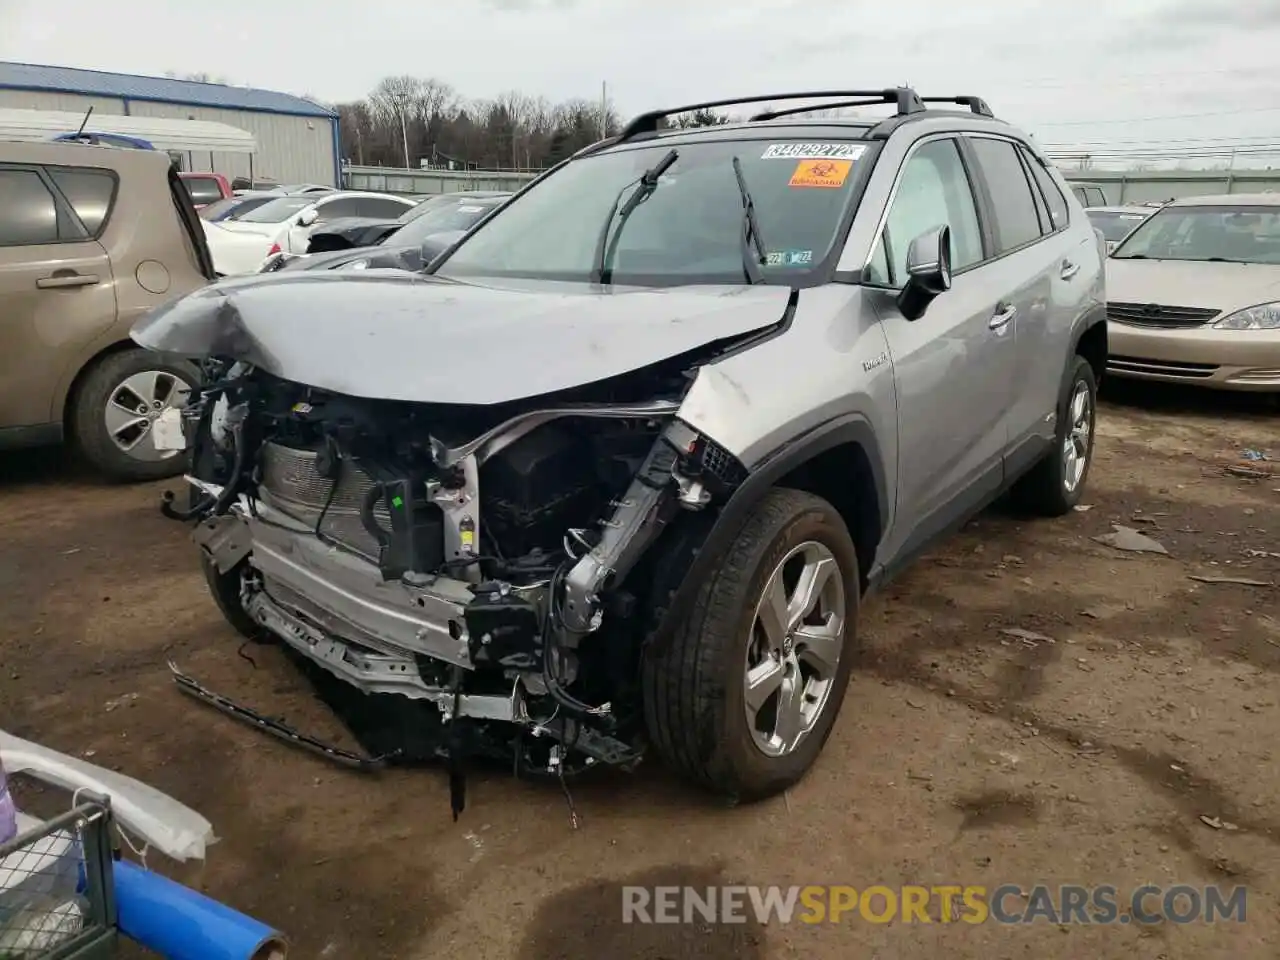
[[1192, 283], [400, 336]]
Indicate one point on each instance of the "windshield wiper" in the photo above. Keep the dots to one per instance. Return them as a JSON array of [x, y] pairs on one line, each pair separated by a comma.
[[750, 230], [648, 182]]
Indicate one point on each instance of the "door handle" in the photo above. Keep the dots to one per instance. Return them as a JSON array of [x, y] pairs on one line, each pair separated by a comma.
[[1002, 316], [59, 281], [1069, 269]]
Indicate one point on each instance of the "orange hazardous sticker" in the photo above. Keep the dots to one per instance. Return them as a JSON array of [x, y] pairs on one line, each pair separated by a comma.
[[821, 173]]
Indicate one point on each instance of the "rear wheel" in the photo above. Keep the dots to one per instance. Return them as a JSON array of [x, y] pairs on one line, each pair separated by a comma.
[[742, 696], [1054, 485], [116, 406]]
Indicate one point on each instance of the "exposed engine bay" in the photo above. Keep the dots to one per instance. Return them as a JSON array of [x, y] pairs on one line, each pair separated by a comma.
[[491, 571]]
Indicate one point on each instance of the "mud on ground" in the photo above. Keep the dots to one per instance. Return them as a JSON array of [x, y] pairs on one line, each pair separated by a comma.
[[1122, 733]]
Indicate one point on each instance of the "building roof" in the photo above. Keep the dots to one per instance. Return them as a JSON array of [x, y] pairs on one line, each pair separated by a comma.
[[96, 83], [161, 133]]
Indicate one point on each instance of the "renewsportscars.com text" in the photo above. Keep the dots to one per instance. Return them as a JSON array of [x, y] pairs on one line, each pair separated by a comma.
[[1005, 904]]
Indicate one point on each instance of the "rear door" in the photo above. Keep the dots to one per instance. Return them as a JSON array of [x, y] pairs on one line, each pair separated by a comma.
[[57, 292], [1029, 253]]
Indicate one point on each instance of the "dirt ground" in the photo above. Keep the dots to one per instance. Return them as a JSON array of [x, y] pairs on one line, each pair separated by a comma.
[[1092, 748]]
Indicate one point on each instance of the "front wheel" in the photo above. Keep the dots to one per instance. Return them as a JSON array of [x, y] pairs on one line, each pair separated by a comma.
[[1054, 486], [742, 696], [225, 590]]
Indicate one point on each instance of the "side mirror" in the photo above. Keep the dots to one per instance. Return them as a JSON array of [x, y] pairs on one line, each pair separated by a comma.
[[928, 271], [309, 217]]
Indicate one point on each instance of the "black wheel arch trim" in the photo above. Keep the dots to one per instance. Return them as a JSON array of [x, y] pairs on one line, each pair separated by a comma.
[[839, 431], [1095, 315]]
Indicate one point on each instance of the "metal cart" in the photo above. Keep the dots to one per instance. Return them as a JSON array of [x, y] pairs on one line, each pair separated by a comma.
[[57, 897]]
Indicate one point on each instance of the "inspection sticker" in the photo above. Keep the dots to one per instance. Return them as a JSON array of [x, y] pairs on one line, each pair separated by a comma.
[[813, 151], [820, 173]]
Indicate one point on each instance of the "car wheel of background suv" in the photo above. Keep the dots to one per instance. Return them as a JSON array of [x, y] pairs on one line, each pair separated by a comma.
[[113, 410], [741, 697], [1053, 486]]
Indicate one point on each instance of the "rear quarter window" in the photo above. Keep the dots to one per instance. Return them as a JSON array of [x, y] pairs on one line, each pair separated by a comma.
[[91, 193], [28, 211]]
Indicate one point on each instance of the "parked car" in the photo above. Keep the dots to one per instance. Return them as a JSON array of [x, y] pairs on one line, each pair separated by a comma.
[[1195, 294], [1115, 223], [411, 247], [619, 466], [206, 188], [234, 207], [1088, 194], [91, 239], [284, 225], [453, 212]]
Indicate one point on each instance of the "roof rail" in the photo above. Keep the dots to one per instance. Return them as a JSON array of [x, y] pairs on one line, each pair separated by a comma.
[[976, 104], [904, 98]]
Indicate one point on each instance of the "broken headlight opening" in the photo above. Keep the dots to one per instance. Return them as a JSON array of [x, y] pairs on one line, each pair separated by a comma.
[[459, 582]]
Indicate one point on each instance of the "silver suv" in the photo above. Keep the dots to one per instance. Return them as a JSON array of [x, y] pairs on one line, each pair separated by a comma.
[[618, 468]]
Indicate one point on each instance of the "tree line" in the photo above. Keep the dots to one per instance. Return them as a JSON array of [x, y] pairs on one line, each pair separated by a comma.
[[432, 122]]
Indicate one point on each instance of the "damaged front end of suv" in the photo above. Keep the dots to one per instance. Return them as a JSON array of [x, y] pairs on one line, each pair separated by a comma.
[[478, 532]]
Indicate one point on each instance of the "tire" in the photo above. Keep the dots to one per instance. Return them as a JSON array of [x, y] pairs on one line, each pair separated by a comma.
[[108, 378], [225, 590], [1045, 490], [694, 679]]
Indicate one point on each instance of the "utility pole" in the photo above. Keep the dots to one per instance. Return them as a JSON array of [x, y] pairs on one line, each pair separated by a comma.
[[401, 101], [604, 109]]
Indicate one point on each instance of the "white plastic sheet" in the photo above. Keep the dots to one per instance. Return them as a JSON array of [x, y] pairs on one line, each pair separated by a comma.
[[163, 822]]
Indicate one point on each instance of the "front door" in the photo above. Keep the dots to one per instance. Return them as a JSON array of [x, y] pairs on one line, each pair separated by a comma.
[[56, 294], [953, 366]]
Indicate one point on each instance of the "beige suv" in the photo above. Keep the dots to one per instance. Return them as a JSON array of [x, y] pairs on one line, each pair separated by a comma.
[[91, 239]]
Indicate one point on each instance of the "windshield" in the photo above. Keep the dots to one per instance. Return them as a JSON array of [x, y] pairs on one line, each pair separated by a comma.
[[441, 218], [687, 229], [277, 210], [1115, 226], [1246, 234]]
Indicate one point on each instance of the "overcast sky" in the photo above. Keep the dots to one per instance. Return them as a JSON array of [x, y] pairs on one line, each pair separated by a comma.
[[1070, 72]]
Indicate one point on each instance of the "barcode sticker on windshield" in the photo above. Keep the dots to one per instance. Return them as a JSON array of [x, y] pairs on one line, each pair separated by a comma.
[[813, 151], [471, 209]]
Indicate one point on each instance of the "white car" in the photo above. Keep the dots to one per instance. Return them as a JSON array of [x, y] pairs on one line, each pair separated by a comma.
[[1116, 223], [284, 225]]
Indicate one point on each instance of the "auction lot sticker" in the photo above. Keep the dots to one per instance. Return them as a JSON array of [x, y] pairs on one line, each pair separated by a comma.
[[813, 151], [820, 173]]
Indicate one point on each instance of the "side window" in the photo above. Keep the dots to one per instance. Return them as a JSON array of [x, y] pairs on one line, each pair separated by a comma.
[[342, 207], [28, 212], [1015, 209], [381, 209], [1042, 212], [90, 193], [933, 190], [1053, 198], [1079, 194], [1099, 198]]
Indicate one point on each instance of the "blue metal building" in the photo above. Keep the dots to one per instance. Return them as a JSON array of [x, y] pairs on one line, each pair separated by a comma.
[[297, 140]]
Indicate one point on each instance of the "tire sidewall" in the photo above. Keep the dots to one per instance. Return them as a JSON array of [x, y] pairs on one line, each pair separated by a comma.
[[764, 773], [1079, 372]]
